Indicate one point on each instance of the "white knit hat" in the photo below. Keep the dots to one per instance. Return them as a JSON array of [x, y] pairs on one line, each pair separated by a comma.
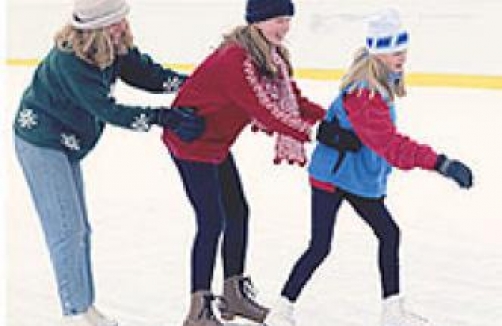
[[93, 14], [385, 33]]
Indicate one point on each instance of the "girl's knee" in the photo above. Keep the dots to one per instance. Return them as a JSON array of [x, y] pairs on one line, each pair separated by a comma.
[[210, 231], [391, 234], [318, 251], [395, 232], [69, 240], [238, 211]]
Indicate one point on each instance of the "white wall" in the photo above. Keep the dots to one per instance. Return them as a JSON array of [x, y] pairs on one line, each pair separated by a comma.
[[457, 36]]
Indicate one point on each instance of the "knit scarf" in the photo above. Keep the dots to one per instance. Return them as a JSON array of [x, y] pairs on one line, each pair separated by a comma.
[[277, 96]]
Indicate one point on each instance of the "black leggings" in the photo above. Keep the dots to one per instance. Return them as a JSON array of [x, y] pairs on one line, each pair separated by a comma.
[[216, 194], [325, 206]]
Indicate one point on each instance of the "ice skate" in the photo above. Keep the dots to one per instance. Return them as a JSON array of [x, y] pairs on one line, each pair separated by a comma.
[[239, 300], [281, 314], [92, 317], [394, 314], [201, 310]]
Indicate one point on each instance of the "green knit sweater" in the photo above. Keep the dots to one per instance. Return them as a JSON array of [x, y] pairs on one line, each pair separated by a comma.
[[69, 101]]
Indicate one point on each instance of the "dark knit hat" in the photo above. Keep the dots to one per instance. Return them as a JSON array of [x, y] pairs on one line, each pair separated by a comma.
[[259, 10]]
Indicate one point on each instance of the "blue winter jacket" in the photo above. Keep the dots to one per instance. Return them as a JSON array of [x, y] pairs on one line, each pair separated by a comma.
[[363, 173]]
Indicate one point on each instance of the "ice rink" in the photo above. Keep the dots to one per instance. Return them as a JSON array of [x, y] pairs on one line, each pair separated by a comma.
[[143, 225]]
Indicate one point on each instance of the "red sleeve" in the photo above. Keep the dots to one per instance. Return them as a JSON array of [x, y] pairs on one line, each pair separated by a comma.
[[243, 87], [310, 111], [371, 120]]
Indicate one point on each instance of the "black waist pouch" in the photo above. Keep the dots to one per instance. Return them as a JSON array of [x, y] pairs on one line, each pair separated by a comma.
[[331, 134]]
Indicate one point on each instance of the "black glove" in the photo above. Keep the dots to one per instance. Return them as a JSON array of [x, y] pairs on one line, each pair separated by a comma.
[[332, 135], [454, 169], [183, 121]]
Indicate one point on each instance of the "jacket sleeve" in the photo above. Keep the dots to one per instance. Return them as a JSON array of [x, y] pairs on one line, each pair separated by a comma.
[[370, 117], [88, 89], [139, 70], [242, 86], [310, 111]]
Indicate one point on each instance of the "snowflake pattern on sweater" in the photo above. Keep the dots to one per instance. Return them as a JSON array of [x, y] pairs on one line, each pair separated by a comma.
[[27, 119], [70, 141], [141, 123], [172, 84]]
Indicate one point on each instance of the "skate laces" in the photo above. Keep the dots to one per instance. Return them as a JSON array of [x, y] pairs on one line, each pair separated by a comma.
[[409, 318], [416, 318], [248, 288], [98, 318], [207, 309]]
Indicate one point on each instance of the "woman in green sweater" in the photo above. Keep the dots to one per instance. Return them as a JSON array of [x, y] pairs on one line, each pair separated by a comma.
[[61, 117]]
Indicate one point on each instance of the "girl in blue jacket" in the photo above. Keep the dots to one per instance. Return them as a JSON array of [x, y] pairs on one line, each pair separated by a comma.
[[358, 144], [61, 117]]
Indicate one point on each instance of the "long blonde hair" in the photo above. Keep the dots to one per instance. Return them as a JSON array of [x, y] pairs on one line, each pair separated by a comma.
[[368, 68], [93, 46], [260, 50]]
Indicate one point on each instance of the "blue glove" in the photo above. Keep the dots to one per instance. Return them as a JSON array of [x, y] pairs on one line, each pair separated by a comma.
[[183, 121], [455, 170]]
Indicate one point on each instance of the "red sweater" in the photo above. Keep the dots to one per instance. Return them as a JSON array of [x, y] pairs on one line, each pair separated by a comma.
[[371, 120], [227, 91]]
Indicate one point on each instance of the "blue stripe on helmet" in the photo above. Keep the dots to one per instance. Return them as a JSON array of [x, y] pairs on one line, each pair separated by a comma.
[[388, 41], [384, 42], [402, 38]]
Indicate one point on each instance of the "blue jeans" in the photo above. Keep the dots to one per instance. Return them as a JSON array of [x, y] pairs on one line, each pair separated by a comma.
[[216, 194], [57, 190], [325, 207]]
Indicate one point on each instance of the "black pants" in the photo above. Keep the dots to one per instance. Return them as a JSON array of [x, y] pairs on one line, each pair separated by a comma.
[[325, 206], [216, 194]]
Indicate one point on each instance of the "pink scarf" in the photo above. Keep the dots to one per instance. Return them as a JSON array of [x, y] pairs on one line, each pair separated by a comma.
[[277, 96]]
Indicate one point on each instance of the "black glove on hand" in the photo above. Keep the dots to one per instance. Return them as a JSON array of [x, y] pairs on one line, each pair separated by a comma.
[[454, 169], [332, 135], [183, 121]]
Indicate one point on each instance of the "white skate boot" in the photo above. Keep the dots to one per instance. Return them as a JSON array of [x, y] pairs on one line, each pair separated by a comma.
[[394, 314], [92, 317], [281, 314]]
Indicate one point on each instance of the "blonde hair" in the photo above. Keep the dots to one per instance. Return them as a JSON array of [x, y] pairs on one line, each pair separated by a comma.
[[93, 46], [252, 40], [368, 68]]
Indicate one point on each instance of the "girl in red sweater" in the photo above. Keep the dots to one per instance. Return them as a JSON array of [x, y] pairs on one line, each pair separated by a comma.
[[247, 80]]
